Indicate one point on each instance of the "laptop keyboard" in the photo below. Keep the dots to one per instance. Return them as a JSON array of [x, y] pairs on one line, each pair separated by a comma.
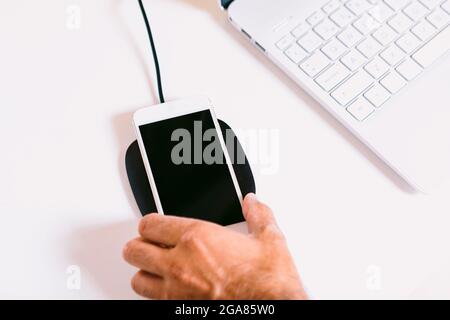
[[362, 52]]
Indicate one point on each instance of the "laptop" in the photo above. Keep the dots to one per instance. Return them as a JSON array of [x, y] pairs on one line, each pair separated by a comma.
[[381, 67]]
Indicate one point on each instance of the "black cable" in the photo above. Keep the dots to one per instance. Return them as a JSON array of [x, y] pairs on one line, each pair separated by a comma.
[[155, 55]]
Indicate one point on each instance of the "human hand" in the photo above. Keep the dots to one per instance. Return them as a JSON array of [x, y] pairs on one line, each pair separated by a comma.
[[182, 258]]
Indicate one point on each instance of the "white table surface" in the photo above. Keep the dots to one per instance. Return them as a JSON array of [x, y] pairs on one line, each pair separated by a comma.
[[67, 96]]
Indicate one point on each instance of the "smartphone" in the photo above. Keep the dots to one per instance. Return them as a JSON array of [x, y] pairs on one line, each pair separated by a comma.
[[187, 163]]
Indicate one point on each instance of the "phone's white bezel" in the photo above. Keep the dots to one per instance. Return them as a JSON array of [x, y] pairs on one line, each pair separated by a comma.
[[170, 110]]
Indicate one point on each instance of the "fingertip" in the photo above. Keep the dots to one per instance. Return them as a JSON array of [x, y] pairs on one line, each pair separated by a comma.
[[146, 221], [257, 214], [251, 198], [249, 201], [126, 250], [136, 282], [151, 215], [248, 209]]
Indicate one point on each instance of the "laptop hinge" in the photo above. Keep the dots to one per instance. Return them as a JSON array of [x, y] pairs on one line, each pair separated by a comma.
[[226, 3]]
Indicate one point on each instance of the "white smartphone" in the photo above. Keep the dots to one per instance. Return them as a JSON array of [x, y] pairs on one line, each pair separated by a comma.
[[187, 163]]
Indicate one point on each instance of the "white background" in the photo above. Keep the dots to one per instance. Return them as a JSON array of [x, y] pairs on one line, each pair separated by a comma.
[[67, 96]]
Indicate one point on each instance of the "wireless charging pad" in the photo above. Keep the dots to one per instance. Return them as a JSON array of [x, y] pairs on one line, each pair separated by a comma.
[[140, 185]]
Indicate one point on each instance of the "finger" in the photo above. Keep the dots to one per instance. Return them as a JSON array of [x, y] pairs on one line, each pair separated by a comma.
[[148, 285], [259, 217], [164, 230], [146, 256]]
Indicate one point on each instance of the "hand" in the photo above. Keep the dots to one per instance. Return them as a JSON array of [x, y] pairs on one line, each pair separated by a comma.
[[182, 258]]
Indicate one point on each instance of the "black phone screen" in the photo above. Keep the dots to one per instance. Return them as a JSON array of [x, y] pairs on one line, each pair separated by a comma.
[[189, 169]]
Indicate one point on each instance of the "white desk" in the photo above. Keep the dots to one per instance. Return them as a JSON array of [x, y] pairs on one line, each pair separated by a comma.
[[67, 97]]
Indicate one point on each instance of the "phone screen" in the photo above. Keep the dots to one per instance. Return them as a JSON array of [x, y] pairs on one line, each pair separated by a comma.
[[189, 169]]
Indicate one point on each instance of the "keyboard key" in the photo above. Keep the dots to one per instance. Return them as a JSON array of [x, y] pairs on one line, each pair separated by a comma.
[[416, 10], [284, 43], [361, 109], [408, 43], [366, 24], [331, 6], [392, 55], [377, 95], [409, 70], [381, 12], [315, 18], [400, 23], [296, 53], [353, 60], [385, 35], [434, 49], [342, 17], [430, 4], [333, 76], [357, 6], [352, 87], [326, 29], [334, 49], [310, 41], [350, 37], [369, 47], [300, 30], [315, 64], [396, 5], [393, 82], [446, 6], [424, 30], [377, 68], [438, 18]]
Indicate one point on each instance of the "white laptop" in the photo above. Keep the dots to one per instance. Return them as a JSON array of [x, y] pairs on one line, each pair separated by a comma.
[[381, 67]]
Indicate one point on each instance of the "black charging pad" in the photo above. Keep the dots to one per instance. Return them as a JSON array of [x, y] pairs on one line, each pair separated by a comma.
[[140, 185]]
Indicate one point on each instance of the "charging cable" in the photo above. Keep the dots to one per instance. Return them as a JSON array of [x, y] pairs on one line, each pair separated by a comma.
[[155, 55]]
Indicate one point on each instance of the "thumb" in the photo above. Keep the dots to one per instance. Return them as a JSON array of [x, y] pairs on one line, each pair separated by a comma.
[[258, 215]]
